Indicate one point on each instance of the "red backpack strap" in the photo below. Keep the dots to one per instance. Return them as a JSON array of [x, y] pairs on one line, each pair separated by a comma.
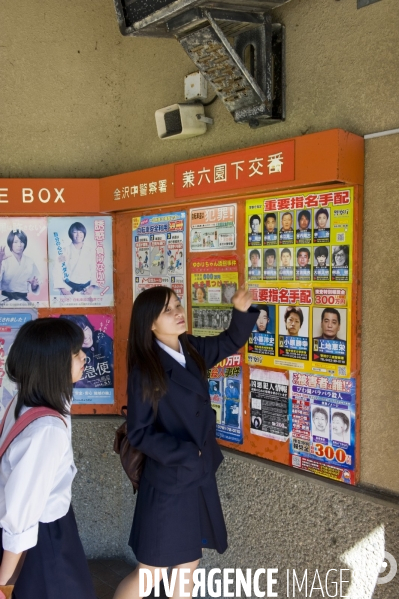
[[5, 417], [22, 422]]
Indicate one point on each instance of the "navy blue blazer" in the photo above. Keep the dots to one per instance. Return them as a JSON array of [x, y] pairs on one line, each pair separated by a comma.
[[185, 423]]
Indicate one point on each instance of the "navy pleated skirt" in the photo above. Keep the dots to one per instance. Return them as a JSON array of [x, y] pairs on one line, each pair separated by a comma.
[[169, 530], [56, 568]]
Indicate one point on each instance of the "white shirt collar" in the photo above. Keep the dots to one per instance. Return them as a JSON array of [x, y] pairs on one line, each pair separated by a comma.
[[176, 355]]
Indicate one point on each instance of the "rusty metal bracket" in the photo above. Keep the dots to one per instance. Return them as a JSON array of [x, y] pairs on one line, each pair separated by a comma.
[[237, 48]]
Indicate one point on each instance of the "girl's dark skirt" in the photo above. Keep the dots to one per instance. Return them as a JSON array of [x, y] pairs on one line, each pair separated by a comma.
[[169, 530], [56, 568]]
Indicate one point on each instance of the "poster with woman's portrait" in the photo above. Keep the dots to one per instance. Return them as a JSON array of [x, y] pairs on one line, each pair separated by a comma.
[[97, 383], [340, 263], [23, 262], [80, 254]]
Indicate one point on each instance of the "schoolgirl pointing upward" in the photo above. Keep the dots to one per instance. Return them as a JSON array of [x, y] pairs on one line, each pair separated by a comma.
[[170, 419]]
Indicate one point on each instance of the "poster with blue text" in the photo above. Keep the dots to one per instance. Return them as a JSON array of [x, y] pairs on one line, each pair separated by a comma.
[[80, 261], [10, 323], [225, 390], [159, 252]]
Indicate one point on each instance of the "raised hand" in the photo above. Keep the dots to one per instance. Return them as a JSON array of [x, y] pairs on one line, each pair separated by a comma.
[[242, 300]]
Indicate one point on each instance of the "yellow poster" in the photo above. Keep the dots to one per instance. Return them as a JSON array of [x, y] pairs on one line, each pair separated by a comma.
[[299, 268]]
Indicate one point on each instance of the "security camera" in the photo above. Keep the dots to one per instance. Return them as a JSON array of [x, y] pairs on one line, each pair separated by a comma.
[[179, 121]]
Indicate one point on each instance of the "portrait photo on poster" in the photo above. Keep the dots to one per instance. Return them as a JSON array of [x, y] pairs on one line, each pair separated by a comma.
[[262, 339], [228, 291], [270, 228], [294, 321], [330, 335], [266, 321], [254, 263], [23, 262], [321, 263], [200, 294], [329, 323], [303, 226], [320, 416], [255, 229], [286, 268], [340, 262], [341, 426], [286, 234], [303, 264], [80, 261], [270, 264], [321, 225]]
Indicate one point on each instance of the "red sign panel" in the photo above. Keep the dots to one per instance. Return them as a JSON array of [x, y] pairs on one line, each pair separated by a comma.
[[261, 165]]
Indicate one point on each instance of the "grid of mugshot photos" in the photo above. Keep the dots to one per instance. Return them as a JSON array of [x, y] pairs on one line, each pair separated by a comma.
[[295, 245], [288, 332]]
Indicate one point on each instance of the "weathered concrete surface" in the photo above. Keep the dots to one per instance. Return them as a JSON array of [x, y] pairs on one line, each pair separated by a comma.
[[276, 518], [78, 100]]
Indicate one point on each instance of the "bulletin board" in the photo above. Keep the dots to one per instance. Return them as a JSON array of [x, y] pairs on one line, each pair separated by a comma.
[[218, 195], [188, 225]]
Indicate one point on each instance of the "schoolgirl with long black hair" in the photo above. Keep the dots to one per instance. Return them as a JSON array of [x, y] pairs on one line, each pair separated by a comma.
[[170, 419], [40, 545]]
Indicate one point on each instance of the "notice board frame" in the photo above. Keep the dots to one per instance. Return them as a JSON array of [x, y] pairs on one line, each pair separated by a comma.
[[330, 159]]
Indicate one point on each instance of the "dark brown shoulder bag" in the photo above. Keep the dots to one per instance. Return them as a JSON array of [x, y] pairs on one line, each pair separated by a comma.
[[132, 459]]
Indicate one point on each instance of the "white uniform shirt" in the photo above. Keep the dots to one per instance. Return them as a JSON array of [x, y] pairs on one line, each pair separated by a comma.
[[178, 356], [36, 475], [14, 275], [80, 265]]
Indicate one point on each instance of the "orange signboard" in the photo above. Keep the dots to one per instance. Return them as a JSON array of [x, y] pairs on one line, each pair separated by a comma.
[[49, 196], [304, 161]]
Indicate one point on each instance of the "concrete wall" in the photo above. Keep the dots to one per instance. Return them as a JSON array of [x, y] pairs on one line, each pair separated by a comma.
[[276, 517], [78, 100]]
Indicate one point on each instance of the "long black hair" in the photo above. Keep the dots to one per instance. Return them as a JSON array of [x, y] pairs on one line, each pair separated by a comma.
[[142, 349], [40, 363]]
